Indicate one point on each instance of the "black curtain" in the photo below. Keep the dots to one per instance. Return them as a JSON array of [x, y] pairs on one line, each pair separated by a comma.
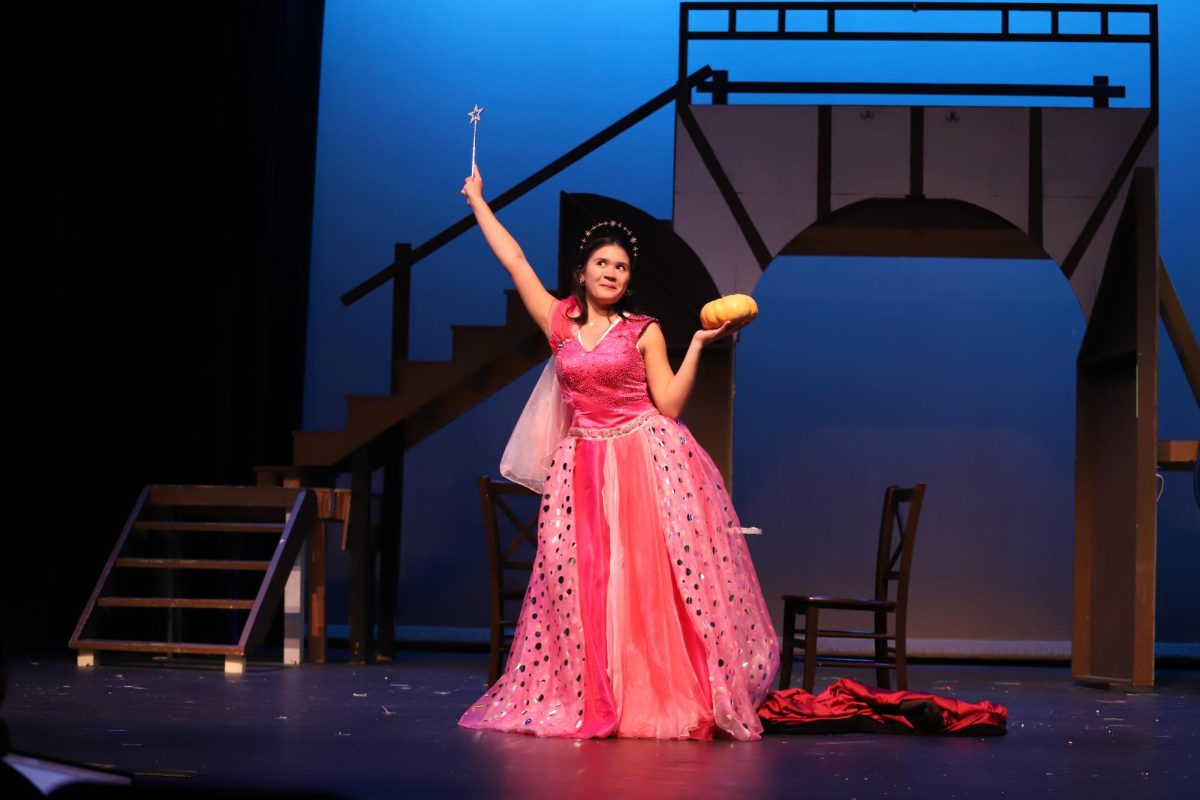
[[161, 202]]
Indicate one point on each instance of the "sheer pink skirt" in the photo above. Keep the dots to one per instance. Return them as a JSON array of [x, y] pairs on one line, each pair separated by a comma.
[[644, 617]]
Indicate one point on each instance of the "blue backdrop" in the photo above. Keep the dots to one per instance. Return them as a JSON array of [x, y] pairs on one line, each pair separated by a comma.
[[859, 373]]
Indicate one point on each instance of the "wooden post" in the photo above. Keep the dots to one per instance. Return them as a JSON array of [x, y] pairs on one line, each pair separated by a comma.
[[1116, 456], [1100, 82], [401, 300], [720, 82], [1145, 190], [316, 585], [361, 561], [392, 518], [293, 611]]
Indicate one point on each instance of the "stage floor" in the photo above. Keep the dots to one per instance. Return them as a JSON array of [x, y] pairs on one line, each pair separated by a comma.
[[388, 730]]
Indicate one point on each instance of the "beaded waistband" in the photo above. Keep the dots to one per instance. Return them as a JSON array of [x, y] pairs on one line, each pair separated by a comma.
[[612, 433]]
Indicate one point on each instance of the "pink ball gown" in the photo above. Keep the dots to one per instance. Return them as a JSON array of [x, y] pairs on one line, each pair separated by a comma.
[[643, 617]]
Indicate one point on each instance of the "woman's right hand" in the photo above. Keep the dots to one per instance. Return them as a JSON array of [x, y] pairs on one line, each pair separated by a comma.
[[473, 187], [708, 336]]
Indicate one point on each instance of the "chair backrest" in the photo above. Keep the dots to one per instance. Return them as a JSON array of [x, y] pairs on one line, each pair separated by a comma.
[[897, 536], [511, 529]]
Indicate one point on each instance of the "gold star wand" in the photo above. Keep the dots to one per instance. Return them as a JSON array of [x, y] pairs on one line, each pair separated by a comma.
[[474, 114]]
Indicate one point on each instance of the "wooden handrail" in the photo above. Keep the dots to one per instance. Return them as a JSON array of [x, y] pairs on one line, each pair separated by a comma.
[[1098, 91], [541, 176]]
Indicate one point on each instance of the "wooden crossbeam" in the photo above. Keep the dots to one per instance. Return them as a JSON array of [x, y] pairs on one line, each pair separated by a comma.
[[212, 603], [209, 527], [1178, 329], [1178, 455], [192, 563]]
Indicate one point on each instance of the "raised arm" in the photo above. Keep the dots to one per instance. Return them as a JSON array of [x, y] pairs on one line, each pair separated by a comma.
[[670, 390], [534, 296]]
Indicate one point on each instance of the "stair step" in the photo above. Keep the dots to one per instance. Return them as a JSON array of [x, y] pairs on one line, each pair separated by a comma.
[[192, 563], [369, 416], [214, 527], [290, 475], [473, 347], [477, 345], [132, 646], [321, 448], [175, 602], [514, 308], [468, 394], [226, 496], [430, 393], [421, 374], [470, 339]]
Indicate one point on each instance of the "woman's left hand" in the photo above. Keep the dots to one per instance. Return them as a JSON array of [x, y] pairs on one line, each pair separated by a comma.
[[704, 337]]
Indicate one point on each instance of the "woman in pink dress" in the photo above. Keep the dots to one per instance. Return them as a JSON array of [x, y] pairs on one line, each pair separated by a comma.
[[644, 617]]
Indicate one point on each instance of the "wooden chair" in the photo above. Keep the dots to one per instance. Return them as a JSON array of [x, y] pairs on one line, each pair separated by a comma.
[[508, 571], [893, 566]]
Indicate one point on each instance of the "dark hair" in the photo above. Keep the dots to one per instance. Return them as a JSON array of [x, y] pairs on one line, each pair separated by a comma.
[[601, 238]]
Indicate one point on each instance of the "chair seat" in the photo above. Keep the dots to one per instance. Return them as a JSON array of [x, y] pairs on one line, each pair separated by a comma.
[[846, 603]]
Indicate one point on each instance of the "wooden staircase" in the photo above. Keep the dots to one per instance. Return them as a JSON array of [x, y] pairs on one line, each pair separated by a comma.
[[431, 394], [197, 570]]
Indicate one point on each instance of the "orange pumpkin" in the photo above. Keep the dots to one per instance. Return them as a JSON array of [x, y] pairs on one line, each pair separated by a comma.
[[729, 308]]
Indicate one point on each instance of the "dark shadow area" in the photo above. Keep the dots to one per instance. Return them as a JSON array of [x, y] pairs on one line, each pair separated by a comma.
[[162, 163]]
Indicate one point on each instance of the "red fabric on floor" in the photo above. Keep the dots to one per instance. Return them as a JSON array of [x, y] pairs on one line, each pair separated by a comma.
[[848, 706]]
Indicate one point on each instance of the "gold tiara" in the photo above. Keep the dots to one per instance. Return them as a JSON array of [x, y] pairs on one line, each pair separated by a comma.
[[610, 223]]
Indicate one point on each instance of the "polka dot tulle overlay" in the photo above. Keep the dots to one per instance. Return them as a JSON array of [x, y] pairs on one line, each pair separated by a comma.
[[714, 602]]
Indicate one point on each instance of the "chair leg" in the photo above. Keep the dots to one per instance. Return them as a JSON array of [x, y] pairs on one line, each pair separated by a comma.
[[787, 651], [901, 663], [811, 617], [494, 655], [883, 678]]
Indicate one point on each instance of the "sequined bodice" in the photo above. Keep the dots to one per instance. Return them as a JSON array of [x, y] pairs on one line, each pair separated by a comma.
[[606, 385]]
